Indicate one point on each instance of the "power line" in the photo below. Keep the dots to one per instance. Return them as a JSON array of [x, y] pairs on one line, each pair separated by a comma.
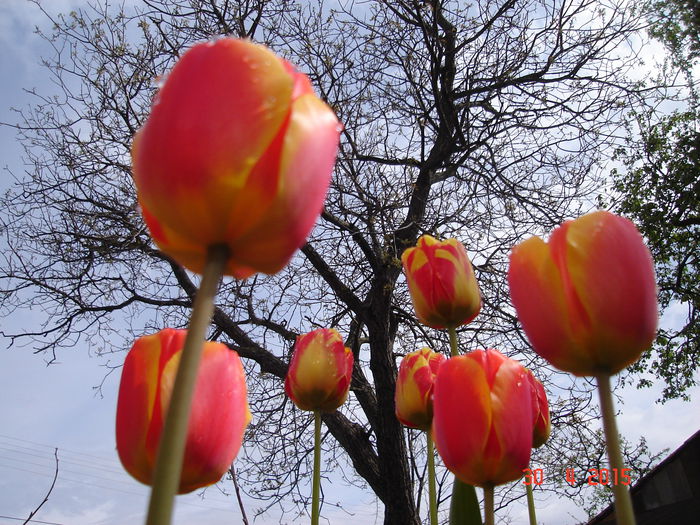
[[23, 461], [31, 521], [81, 455], [115, 489], [71, 461], [104, 459]]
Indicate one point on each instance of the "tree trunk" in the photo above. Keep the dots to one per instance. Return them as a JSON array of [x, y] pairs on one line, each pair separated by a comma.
[[399, 505]]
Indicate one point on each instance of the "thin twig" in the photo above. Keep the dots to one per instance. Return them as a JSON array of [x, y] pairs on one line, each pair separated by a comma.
[[238, 495], [46, 498]]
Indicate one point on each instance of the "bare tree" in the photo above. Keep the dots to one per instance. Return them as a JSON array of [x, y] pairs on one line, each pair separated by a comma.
[[486, 121]]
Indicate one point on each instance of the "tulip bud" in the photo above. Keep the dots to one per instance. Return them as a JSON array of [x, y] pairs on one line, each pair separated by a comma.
[[237, 151], [482, 417], [587, 298], [320, 371], [218, 417], [540, 412], [441, 280], [414, 388]]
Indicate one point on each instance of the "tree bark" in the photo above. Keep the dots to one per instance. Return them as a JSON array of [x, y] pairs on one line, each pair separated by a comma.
[[399, 505]]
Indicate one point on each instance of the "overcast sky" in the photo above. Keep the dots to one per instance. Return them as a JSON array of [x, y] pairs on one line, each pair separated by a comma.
[[43, 408]]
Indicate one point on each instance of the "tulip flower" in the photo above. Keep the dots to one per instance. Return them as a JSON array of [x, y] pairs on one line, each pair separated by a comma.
[[540, 412], [320, 371], [414, 388], [413, 400], [441, 280], [587, 302], [217, 421], [318, 379], [587, 298], [237, 151], [482, 417]]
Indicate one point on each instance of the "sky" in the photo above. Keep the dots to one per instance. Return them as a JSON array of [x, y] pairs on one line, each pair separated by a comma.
[[43, 408]]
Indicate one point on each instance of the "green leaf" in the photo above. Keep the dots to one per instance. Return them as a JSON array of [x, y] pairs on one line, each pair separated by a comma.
[[464, 508]]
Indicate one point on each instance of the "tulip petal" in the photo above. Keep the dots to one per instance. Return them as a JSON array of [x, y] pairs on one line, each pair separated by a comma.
[[537, 292], [188, 253], [466, 288], [511, 405], [309, 150], [462, 416], [438, 270], [455, 273], [611, 269], [217, 413], [189, 154], [132, 423], [445, 268], [420, 280], [540, 412], [140, 414]]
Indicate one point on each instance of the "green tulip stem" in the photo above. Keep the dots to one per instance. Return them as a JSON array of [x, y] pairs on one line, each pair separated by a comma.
[[315, 497], [166, 477], [453, 341], [623, 501], [431, 480], [531, 505], [488, 505]]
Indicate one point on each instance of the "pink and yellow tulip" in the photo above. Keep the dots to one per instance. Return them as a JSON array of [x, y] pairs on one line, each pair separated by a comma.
[[218, 417], [441, 281], [237, 151], [587, 298], [482, 417], [414, 388], [320, 371]]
